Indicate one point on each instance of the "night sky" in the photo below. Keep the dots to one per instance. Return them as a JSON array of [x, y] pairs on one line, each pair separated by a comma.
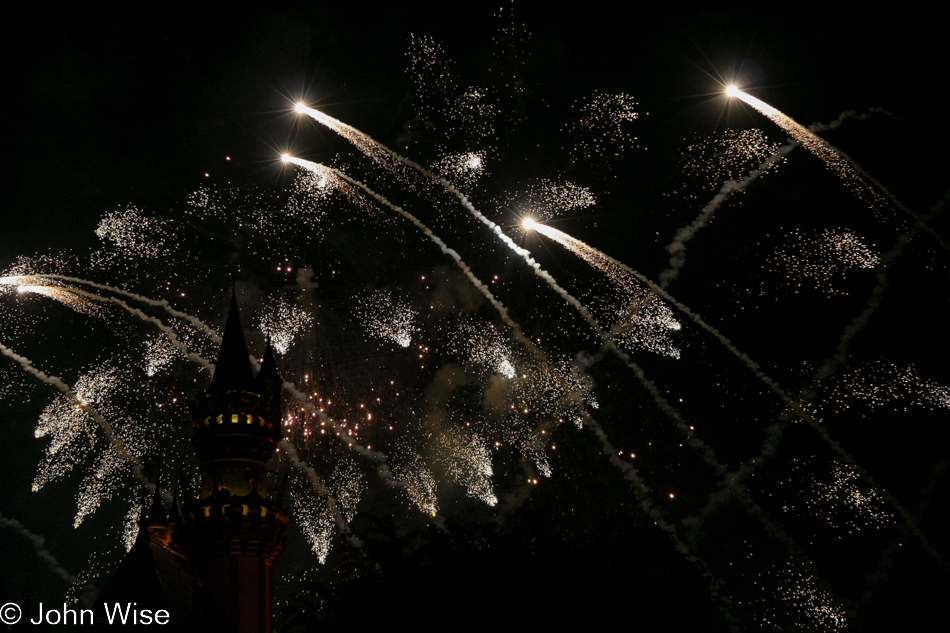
[[126, 112]]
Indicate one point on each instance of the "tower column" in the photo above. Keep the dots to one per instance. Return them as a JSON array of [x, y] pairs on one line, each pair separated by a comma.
[[234, 531]]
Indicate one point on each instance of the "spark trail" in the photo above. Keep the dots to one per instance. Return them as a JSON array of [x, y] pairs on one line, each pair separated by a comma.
[[640, 487], [389, 159], [865, 186], [836, 162], [395, 163]]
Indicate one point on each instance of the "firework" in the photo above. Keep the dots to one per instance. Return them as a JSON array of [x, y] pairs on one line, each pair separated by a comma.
[[434, 366]]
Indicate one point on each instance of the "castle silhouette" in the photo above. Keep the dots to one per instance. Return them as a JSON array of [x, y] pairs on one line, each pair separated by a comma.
[[208, 562]]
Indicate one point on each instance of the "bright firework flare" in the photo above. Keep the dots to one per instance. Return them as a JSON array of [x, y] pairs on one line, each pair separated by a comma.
[[30, 284], [287, 158], [529, 224]]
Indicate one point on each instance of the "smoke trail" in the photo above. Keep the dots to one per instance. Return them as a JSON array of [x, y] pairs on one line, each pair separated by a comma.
[[848, 114], [39, 544], [71, 395]]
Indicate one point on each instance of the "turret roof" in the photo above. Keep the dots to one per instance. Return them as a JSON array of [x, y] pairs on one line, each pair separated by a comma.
[[233, 371]]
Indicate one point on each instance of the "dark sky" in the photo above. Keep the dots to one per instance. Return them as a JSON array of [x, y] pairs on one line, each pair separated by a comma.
[[108, 110]]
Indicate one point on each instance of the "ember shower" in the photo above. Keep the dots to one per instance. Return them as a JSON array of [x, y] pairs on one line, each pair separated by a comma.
[[439, 373]]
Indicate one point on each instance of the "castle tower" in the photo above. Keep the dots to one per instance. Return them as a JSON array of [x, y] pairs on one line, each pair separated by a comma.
[[234, 533]]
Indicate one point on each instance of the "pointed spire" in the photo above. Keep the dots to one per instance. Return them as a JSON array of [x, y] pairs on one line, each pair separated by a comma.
[[269, 384], [268, 371], [233, 371]]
